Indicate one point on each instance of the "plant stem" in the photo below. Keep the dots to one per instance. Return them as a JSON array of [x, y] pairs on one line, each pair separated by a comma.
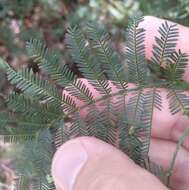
[[121, 92], [172, 164], [66, 116]]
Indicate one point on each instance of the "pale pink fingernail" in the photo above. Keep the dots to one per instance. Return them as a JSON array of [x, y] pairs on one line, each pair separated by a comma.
[[67, 164]]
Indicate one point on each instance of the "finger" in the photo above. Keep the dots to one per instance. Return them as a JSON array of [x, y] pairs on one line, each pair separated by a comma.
[[163, 156], [88, 163], [167, 126], [151, 25]]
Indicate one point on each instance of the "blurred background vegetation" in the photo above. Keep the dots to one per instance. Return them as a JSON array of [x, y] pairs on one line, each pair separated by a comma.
[[21, 20]]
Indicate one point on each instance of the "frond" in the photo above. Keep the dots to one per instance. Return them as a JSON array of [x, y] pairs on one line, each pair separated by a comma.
[[95, 122], [77, 45], [64, 76], [102, 86], [41, 151], [33, 85], [129, 143], [44, 119], [22, 183], [135, 106], [17, 126], [101, 124], [80, 91], [37, 50], [177, 65], [179, 85], [165, 44], [120, 105], [136, 124], [69, 104], [178, 101], [60, 75], [60, 133], [36, 182], [48, 186], [43, 183], [108, 58], [29, 124], [152, 100], [157, 170], [108, 118], [21, 103], [135, 53], [17, 138], [49, 62], [78, 126]]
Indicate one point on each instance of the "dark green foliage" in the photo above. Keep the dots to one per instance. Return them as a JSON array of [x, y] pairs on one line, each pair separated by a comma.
[[31, 84], [79, 50], [157, 170], [44, 118], [43, 183], [178, 101], [176, 66], [135, 54], [165, 44], [21, 182], [106, 56], [49, 62], [41, 150], [96, 122], [77, 44], [80, 91]]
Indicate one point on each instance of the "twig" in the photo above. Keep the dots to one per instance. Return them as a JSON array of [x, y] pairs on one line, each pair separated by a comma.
[[172, 164]]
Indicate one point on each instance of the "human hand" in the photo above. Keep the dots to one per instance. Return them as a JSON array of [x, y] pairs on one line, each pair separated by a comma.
[[88, 163]]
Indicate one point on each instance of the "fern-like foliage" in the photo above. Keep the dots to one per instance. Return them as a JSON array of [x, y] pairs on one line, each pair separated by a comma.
[[21, 182], [135, 53], [108, 59], [165, 44], [177, 65], [49, 62], [44, 118], [178, 101], [31, 84]]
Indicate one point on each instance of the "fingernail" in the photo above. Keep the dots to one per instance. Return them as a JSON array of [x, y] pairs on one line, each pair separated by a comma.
[[67, 164]]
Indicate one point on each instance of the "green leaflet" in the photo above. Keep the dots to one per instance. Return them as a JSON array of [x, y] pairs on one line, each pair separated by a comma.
[[106, 56], [135, 53], [32, 85], [165, 44], [44, 118], [21, 183], [48, 61], [77, 45], [178, 101]]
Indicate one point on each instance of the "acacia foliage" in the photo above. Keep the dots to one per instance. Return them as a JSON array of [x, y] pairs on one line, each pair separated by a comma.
[[43, 118]]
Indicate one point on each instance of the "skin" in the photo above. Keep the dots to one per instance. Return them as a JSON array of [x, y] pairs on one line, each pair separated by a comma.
[[88, 163]]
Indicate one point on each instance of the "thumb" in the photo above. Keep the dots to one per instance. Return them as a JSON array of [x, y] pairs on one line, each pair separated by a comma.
[[88, 163]]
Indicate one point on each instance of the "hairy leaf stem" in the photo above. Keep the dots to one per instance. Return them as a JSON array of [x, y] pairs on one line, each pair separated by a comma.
[[120, 92], [172, 164]]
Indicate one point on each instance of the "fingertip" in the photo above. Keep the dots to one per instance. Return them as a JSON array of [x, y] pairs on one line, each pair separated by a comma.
[[89, 163]]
